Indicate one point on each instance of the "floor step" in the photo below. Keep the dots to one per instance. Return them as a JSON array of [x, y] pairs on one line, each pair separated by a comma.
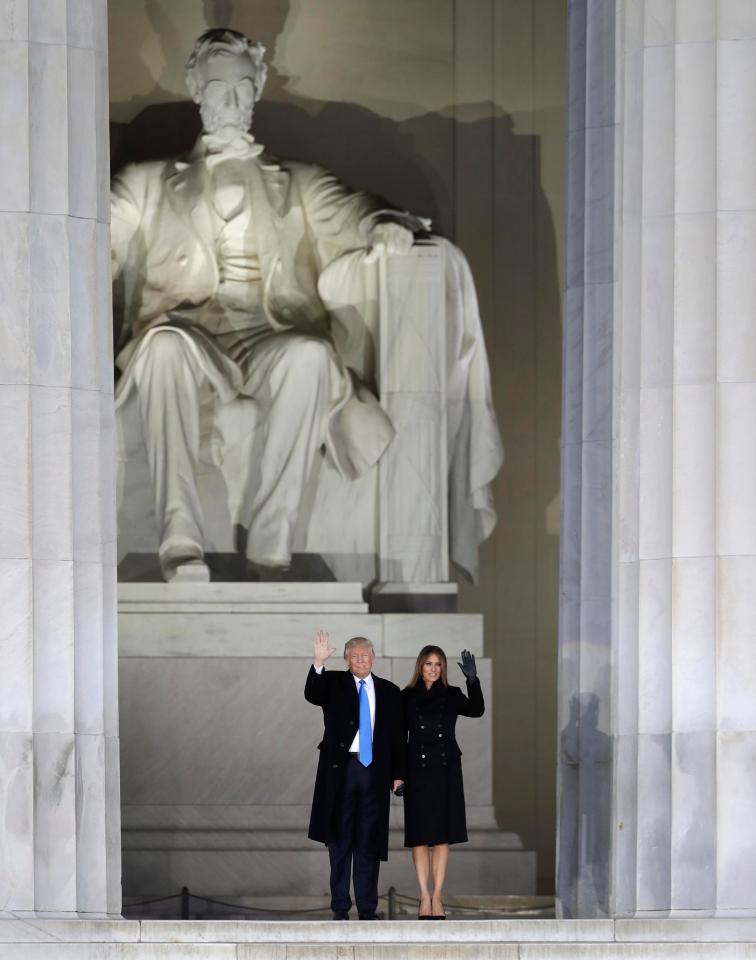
[[677, 939]]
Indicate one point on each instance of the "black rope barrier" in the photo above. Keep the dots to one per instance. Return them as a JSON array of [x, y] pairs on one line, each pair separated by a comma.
[[392, 897]]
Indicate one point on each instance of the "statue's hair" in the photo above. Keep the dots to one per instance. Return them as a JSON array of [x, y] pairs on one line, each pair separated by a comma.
[[358, 642], [221, 40]]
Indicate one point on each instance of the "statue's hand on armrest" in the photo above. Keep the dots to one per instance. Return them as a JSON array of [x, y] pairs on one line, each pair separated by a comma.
[[386, 239]]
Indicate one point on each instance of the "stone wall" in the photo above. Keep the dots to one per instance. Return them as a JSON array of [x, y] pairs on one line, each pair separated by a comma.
[[455, 111]]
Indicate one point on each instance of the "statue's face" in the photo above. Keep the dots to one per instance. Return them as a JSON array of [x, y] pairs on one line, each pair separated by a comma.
[[226, 94]]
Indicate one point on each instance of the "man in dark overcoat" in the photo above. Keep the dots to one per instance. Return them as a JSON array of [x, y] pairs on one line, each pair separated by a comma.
[[361, 761]]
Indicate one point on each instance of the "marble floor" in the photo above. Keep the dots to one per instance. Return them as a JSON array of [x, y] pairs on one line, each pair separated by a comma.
[[682, 939]]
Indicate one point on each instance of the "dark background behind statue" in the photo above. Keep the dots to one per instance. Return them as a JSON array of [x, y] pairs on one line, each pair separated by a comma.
[[486, 162]]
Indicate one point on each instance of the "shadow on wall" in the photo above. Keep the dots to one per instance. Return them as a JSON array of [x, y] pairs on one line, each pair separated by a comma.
[[585, 797], [364, 149]]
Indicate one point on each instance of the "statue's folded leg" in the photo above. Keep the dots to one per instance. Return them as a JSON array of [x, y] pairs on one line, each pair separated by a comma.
[[296, 380], [168, 382]]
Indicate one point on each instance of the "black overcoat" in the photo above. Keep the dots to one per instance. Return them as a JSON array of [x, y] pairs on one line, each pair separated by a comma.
[[336, 692], [434, 797]]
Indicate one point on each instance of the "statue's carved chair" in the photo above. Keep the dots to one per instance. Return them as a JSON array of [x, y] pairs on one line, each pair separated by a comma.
[[389, 526]]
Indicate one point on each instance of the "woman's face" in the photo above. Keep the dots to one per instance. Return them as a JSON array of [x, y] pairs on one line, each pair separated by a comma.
[[431, 668]]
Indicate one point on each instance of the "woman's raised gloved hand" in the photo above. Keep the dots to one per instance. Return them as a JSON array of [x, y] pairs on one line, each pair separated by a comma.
[[467, 666]]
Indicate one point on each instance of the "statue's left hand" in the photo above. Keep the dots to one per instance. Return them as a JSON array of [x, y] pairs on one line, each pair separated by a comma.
[[386, 239]]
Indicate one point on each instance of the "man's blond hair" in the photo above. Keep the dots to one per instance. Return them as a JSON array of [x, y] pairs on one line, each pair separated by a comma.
[[358, 642]]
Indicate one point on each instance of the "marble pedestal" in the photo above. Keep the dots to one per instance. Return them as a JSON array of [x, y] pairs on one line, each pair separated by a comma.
[[218, 753]]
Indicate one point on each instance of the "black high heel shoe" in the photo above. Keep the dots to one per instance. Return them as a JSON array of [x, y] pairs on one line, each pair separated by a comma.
[[423, 916]]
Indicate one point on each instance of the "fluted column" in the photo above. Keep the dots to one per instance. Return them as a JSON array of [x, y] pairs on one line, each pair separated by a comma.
[[674, 676], [59, 814]]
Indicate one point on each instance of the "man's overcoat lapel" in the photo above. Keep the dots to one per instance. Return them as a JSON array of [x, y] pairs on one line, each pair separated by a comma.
[[350, 691], [379, 713]]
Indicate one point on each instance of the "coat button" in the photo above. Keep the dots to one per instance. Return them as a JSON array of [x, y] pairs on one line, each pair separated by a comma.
[[422, 756], [335, 766], [351, 723], [422, 726], [341, 744], [441, 735]]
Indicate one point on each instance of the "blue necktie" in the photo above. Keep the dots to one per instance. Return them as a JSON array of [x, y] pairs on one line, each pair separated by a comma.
[[366, 734]]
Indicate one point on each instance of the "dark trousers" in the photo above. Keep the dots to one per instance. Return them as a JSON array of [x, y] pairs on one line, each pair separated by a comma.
[[355, 846]]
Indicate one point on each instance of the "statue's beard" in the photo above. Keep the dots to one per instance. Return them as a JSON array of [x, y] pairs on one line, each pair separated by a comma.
[[225, 121]]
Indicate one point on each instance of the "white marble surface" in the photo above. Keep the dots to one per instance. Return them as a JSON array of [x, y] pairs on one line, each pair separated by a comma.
[[397, 940], [587, 455], [399, 318], [218, 744], [736, 294], [413, 519], [209, 731], [672, 367], [58, 793], [306, 594], [696, 293], [603, 935], [274, 620]]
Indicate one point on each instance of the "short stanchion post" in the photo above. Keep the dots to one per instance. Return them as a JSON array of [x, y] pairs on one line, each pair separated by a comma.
[[185, 903], [392, 903]]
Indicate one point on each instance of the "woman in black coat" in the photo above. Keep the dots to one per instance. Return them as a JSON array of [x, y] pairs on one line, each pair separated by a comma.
[[434, 799]]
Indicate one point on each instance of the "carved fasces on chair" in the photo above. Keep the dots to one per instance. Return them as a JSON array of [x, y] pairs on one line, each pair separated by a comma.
[[413, 515]]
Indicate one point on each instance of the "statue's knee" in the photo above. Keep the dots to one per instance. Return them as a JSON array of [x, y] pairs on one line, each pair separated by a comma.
[[166, 349], [308, 355]]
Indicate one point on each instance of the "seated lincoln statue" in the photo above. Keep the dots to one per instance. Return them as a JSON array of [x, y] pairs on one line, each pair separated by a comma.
[[219, 255]]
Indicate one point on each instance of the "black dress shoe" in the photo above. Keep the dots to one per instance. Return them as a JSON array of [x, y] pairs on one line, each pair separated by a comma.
[[340, 915], [369, 916]]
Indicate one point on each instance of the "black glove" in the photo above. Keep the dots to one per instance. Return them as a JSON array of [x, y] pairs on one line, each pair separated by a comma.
[[468, 666]]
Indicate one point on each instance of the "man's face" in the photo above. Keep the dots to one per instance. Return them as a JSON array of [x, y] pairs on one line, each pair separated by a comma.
[[226, 94], [360, 661]]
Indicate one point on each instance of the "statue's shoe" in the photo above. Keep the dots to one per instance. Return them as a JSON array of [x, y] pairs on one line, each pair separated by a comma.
[[191, 571], [181, 561]]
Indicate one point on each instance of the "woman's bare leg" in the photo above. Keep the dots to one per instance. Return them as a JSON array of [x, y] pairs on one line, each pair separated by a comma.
[[440, 860], [421, 861]]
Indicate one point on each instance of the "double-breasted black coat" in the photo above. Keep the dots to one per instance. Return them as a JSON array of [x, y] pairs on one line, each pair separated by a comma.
[[434, 797], [336, 692]]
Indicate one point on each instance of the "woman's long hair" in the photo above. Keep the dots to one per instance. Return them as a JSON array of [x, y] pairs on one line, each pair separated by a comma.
[[426, 652]]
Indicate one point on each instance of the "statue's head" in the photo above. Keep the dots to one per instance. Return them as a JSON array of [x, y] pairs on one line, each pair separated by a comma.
[[225, 75]]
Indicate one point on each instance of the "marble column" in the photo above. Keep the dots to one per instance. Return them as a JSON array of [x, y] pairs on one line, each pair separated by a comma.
[[658, 631], [59, 813]]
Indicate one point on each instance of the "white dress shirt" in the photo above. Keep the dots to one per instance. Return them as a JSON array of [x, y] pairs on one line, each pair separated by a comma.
[[370, 690]]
